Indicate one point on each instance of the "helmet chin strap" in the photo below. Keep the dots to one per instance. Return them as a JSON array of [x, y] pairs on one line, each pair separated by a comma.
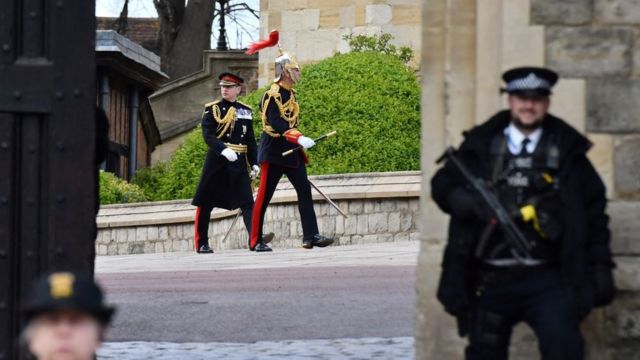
[[295, 77]]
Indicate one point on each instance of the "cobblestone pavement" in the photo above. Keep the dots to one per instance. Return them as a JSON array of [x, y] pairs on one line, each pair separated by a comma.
[[334, 349]]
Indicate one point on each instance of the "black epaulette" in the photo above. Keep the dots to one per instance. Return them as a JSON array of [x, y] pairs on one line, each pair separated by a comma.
[[211, 103], [207, 106]]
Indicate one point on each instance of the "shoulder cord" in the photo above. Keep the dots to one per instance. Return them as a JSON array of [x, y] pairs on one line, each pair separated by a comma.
[[223, 123], [289, 111]]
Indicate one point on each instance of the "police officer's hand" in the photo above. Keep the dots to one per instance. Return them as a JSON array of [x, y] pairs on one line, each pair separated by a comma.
[[604, 288], [306, 142], [255, 171], [229, 154], [463, 204]]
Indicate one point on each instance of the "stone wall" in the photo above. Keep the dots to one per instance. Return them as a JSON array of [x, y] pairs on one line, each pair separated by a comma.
[[380, 208], [312, 30], [595, 46], [598, 42]]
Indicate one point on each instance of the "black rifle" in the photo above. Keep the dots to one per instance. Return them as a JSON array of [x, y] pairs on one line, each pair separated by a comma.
[[519, 245]]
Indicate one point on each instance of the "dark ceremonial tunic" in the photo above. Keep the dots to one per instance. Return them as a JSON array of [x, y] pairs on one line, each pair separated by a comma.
[[280, 132], [226, 184], [279, 114]]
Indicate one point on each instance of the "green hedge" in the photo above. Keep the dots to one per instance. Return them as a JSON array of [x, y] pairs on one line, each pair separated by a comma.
[[371, 99], [114, 190], [178, 177]]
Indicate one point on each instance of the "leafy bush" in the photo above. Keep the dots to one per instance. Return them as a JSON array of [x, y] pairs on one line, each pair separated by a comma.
[[149, 179], [370, 98], [114, 190], [178, 177], [378, 43]]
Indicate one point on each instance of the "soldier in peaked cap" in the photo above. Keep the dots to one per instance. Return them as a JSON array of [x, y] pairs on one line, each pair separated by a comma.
[[227, 128], [66, 317], [537, 166]]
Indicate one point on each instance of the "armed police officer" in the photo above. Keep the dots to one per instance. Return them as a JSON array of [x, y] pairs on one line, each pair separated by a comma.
[[227, 128], [536, 166], [279, 111]]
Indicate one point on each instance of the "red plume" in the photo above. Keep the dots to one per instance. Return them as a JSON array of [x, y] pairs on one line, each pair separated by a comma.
[[274, 36]]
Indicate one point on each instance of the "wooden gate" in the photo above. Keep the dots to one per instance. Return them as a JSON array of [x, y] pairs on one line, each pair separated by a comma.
[[47, 146]]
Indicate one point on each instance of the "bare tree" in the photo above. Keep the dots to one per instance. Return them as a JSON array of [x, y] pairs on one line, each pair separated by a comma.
[[185, 31], [232, 12], [186, 27]]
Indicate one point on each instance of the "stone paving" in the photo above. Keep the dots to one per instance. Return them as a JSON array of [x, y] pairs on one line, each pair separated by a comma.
[[383, 254], [334, 349]]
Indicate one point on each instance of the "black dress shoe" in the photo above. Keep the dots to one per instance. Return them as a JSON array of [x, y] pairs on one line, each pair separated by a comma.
[[262, 247], [317, 240], [265, 240], [205, 249]]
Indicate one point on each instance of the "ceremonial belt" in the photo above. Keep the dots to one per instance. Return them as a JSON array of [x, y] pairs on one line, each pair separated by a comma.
[[241, 149]]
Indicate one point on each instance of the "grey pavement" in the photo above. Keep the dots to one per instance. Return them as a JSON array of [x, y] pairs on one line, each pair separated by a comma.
[[383, 254], [347, 302]]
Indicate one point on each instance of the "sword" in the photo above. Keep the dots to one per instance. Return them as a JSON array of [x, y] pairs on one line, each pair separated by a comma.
[[235, 219], [289, 152], [233, 223], [328, 199]]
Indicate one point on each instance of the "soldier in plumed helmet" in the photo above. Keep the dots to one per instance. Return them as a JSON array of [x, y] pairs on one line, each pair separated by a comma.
[[279, 112]]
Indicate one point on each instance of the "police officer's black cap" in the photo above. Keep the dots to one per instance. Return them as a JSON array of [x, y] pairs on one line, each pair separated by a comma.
[[229, 79], [529, 81], [59, 291]]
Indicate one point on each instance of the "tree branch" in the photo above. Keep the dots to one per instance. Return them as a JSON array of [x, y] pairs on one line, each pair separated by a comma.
[[121, 23]]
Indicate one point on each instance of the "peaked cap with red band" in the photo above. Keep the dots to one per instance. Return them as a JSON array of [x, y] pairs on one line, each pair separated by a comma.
[[229, 79]]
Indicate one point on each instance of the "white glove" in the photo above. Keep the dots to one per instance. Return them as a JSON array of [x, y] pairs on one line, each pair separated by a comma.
[[306, 142], [229, 154], [255, 172]]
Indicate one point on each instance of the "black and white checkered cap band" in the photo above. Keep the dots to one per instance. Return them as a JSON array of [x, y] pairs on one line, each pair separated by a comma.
[[531, 82]]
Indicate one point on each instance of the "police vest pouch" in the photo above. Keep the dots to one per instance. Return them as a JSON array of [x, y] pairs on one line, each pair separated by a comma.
[[526, 185]]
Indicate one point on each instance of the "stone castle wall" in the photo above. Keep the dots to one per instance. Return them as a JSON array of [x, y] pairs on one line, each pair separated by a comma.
[[312, 30], [595, 46]]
